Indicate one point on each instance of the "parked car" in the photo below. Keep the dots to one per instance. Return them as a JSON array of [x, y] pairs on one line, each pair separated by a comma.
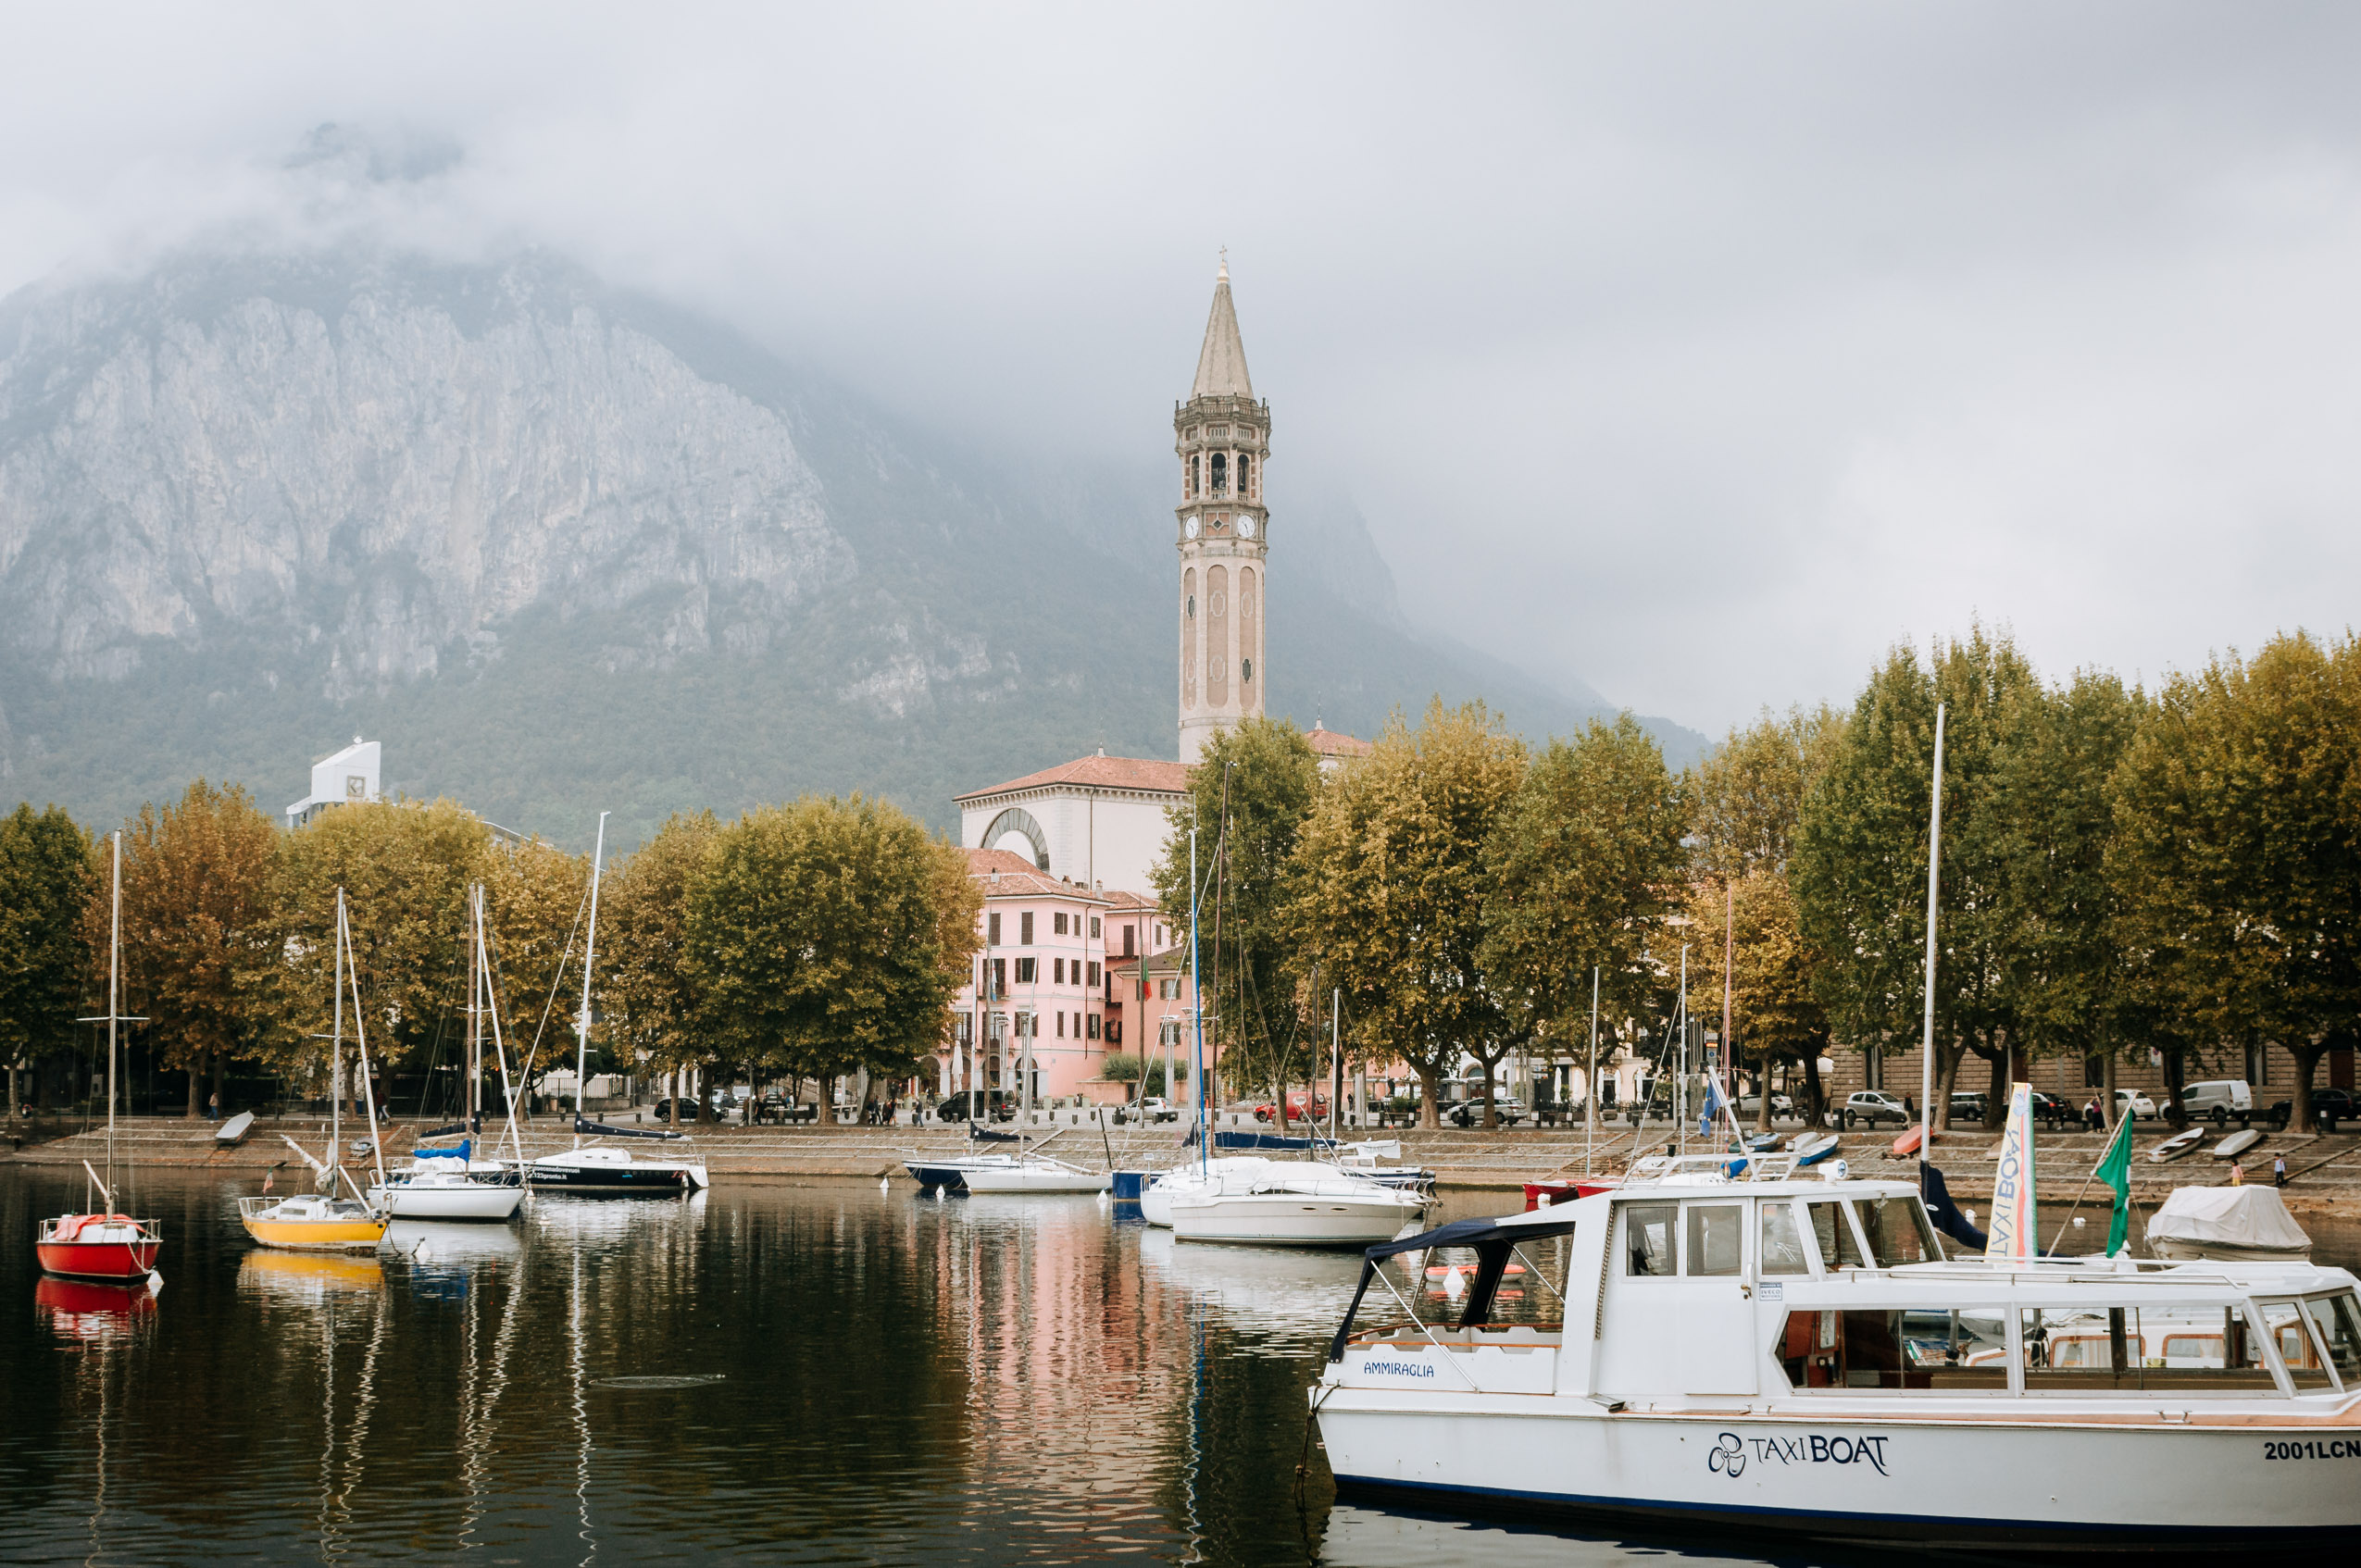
[[1749, 1105], [688, 1109], [1505, 1108], [1302, 1105], [1969, 1105], [978, 1104], [2330, 1106], [1870, 1107], [2137, 1104], [1155, 1108], [2220, 1100]]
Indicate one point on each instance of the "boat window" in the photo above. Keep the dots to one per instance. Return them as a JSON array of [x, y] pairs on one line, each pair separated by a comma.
[[2092, 1350], [1714, 1237], [1783, 1245], [1911, 1349], [1647, 1238], [2333, 1320], [1838, 1250], [2296, 1346], [1898, 1231]]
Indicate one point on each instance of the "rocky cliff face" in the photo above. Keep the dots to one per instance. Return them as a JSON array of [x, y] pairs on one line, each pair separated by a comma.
[[565, 550], [333, 469]]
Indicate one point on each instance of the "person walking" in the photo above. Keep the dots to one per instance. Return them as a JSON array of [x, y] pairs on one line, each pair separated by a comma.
[[2237, 1174], [213, 1106], [2091, 1116], [2278, 1171]]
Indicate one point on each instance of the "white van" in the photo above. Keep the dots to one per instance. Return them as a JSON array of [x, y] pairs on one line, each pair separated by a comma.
[[2219, 1102]]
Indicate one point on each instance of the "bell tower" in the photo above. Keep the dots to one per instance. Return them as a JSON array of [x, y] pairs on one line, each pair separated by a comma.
[[1223, 437]]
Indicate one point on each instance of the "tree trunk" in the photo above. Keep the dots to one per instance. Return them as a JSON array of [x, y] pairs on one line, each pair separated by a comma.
[[1946, 1073], [197, 1080], [2307, 1058], [222, 1079], [2175, 1069], [1492, 1117], [2106, 1093], [1815, 1094], [1431, 1079], [1762, 1095]]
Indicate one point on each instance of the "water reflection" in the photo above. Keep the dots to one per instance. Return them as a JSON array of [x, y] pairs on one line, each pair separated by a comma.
[[93, 1313]]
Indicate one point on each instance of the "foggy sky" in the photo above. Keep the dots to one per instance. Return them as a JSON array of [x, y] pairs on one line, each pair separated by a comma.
[[1700, 354]]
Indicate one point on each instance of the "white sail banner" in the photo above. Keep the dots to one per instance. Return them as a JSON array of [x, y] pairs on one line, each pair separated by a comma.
[[2014, 1229]]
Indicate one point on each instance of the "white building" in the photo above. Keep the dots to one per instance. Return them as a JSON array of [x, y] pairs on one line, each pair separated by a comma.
[[340, 779], [1097, 821]]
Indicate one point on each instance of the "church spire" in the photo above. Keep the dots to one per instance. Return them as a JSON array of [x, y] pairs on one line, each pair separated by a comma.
[[1221, 364]]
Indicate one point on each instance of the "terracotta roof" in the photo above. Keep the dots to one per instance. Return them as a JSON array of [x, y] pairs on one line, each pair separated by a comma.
[[1329, 743], [1100, 773], [1120, 899], [1020, 878]]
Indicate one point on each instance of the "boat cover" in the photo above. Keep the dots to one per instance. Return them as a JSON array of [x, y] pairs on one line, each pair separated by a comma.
[[460, 1151], [985, 1135], [2227, 1216], [1944, 1213], [1257, 1140], [451, 1131], [602, 1129]]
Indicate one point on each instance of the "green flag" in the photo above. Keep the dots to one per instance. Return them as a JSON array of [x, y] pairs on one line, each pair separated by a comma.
[[2115, 1169]]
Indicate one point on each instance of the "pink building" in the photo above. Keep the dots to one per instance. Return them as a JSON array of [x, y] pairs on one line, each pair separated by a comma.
[[1039, 985]]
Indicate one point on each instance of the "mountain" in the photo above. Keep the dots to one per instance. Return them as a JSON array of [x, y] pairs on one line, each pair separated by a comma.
[[566, 549]]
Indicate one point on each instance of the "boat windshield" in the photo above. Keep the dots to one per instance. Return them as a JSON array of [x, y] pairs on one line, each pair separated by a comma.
[[2097, 1349], [1782, 1244], [1898, 1231], [2333, 1342], [1834, 1233]]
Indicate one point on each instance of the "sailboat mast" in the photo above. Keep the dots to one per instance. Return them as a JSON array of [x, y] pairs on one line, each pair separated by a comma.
[[475, 998], [360, 1047], [582, 1022], [336, 1051], [114, 999], [1197, 1006], [1934, 873]]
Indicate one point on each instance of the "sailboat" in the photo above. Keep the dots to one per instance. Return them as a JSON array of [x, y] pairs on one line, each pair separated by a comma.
[[445, 1184], [321, 1220], [601, 1169], [104, 1245]]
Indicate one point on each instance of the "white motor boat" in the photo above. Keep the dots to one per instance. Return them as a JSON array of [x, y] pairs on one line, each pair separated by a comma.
[[1029, 1173], [2229, 1224], [1795, 1355], [1294, 1203], [438, 1188], [1157, 1197]]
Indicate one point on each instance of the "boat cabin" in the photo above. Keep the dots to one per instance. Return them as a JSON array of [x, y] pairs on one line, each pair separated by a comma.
[[1708, 1292]]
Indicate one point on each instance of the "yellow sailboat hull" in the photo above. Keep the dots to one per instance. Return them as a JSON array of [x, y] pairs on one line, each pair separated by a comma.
[[290, 1227]]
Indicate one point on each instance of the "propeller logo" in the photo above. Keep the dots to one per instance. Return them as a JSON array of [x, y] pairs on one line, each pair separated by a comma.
[[1728, 1456]]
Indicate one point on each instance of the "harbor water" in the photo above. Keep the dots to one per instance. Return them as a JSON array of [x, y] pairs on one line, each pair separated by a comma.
[[784, 1375]]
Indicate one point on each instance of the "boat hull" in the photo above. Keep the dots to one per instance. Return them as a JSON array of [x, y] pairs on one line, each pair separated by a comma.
[[316, 1236], [1027, 1179], [933, 1174], [472, 1200], [2056, 1486], [104, 1262], [1288, 1219], [612, 1181]]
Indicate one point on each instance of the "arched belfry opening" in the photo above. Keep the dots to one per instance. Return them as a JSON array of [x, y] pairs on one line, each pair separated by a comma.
[[1015, 821]]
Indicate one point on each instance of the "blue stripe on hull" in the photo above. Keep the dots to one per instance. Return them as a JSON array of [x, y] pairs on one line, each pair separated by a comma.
[[2022, 1536]]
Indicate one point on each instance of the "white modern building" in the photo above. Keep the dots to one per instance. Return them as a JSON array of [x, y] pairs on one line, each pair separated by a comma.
[[1095, 821], [341, 778]]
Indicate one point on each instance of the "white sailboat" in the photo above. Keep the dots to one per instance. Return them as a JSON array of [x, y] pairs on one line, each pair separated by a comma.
[[1292, 1204], [611, 1169], [453, 1186]]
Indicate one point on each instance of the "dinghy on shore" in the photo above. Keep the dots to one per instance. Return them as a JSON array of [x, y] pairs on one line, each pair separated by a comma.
[[2244, 1225]]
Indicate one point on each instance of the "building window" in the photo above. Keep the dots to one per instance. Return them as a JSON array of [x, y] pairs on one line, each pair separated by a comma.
[[999, 978], [1246, 473], [967, 1030], [1115, 1031], [1028, 971], [1061, 1026], [1169, 988], [1093, 927], [1092, 981], [1093, 1026], [1058, 971], [1057, 923], [1025, 929], [1245, 672], [992, 928], [1221, 474], [1127, 942]]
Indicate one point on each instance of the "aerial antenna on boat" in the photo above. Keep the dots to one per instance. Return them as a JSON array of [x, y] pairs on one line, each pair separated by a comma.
[[1926, 1043]]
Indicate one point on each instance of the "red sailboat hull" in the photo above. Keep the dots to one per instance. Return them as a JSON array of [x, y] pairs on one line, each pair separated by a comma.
[[64, 1251]]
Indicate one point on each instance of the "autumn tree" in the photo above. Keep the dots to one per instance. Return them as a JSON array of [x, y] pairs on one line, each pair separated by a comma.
[[2237, 853], [534, 899], [1777, 1014], [1859, 866], [46, 872], [651, 996], [1390, 888], [1579, 870], [200, 953], [1248, 798], [830, 937], [405, 869]]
